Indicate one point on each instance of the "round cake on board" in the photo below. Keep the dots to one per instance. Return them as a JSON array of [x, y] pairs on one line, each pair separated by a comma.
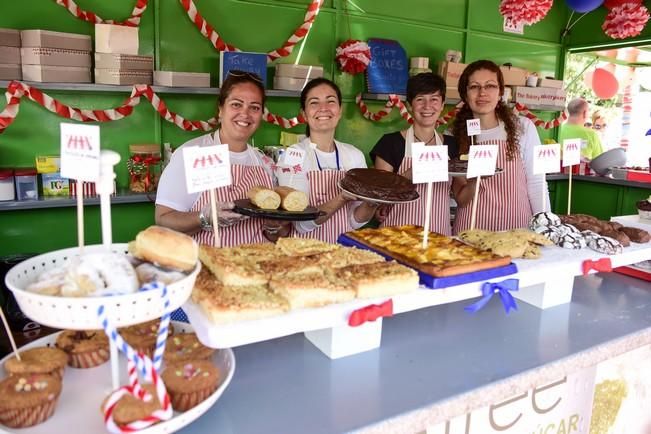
[[379, 185]]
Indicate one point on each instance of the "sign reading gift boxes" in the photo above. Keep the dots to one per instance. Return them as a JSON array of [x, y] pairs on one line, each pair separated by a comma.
[[388, 71]]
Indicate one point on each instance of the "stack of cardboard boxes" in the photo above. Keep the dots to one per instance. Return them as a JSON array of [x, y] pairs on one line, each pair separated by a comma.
[[10, 55], [55, 56], [116, 56], [295, 77]]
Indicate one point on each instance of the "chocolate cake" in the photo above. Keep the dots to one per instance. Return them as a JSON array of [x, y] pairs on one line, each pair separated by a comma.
[[379, 184], [644, 205]]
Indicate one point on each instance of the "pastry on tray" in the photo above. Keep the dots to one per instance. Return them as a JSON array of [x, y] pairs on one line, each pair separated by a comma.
[[166, 248], [516, 243], [310, 290], [291, 199], [380, 279], [233, 269], [348, 256], [303, 246], [379, 185], [263, 198], [444, 256]]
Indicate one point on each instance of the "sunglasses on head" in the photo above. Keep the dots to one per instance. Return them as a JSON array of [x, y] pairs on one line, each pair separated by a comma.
[[245, 74]]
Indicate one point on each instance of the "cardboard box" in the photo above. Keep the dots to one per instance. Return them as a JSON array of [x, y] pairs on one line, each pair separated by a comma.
[[110, 38], [124, 61], [514, 76], [122, 76], [452, 95], [55, 57], [55, 185], [49, 39], [47, 163], [56, 74], [10, 72], [299, 71], [10, 37], [181, 79], [9, 55], [539, 97], [287, 83], [550, 82], [451, 72]]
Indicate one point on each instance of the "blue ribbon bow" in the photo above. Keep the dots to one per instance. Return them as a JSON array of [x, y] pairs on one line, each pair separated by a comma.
[[503, 288]]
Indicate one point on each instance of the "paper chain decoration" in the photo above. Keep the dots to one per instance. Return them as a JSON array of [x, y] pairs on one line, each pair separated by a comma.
[[285, 50], [17, 90], [132, 21]]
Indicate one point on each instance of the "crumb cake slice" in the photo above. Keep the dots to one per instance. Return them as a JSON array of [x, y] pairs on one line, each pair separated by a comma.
[[310, 290], [380, 279], [345, 256], [231, 270], [304, 246], [292, 264], [226, 304]]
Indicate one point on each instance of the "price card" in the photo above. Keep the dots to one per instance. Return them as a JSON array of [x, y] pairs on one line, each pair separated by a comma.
[[510, 26], [206, 167], [546, 159], [429, 163], [293, 157], [473, 126], [571, 152], [482, 160], [80, 152]]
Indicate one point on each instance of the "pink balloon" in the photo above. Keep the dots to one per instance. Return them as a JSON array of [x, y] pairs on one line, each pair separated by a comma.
[[604, 84]]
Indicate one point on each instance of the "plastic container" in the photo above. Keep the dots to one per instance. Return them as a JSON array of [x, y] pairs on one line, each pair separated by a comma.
[[26, 183], [144, 166], [7, 184]]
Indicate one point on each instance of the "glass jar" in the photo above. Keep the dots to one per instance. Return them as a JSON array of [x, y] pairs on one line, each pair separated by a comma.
[[144, 166]]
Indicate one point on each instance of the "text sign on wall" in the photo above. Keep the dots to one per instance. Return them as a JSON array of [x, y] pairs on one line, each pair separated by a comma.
[[388, 71]]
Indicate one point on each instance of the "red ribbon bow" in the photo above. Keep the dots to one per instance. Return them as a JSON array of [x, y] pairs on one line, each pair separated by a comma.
[[370, 313], [602, 264]]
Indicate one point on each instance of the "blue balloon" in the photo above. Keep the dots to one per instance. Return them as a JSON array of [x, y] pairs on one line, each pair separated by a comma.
[[583, 6]]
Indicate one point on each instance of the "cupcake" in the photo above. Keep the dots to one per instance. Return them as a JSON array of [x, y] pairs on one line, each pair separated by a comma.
[[644, 208], [130, 409], [41, 360], [27, 400], [184, 347], [189, 383], [85, 348], [142, 337]]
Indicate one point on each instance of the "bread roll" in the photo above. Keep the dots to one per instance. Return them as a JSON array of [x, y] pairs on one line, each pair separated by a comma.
[[291, 199], [263, 198], [165, 248]]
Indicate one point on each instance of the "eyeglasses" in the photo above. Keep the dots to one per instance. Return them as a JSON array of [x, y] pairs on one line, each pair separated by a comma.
[[599, 126], [489, 87], [245, 74]]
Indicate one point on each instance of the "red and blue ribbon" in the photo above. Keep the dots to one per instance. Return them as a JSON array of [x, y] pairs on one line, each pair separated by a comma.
[[504, 290]]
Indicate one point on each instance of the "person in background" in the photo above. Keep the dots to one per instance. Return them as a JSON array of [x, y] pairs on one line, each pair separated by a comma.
[[325, 164], [241, 103], [578, 110], [509, 199], [425, 96]]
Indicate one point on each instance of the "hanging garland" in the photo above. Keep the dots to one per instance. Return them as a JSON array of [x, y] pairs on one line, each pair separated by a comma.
[[527, 12], [132, 21], [394, 101], [285, 50], [625, 21], [281, 121]]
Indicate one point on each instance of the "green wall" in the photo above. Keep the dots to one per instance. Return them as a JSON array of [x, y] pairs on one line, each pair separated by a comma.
[[423, 27]]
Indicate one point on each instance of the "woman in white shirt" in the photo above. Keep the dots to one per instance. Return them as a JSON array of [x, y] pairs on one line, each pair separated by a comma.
[[325, 163], [506, 200]]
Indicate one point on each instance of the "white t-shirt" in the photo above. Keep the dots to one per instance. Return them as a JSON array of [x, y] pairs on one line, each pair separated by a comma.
[[172, 192], [349, 158]]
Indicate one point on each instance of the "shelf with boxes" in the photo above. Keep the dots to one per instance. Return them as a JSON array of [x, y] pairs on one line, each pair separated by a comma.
[[122, 197]]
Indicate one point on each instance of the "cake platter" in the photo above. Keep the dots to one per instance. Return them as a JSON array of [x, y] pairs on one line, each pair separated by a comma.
[[375, 200], [85, 389], [245, 207]]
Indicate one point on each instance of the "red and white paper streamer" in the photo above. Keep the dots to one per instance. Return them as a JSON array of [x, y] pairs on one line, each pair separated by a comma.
[[546, 125], [626, 21], [132, 21], [527, 12], [285, 50], [394, 101], [282, 122]]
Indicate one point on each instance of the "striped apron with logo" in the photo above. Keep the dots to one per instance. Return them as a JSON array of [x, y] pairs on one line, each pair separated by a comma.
[[414, 212], [503, 199], [247, 231], [324, 187]]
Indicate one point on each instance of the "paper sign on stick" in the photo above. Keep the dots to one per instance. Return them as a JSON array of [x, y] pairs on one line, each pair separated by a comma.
[[546, 158], [482, 160], [293, 157], [429, 163], [571, 152], [473, 126], [80, 152], [206, 167]]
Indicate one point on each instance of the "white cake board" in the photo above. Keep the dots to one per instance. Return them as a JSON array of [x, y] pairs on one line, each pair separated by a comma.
[[342, 341]]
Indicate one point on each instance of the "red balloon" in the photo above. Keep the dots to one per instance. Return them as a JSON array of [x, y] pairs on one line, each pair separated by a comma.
[[587, 78], [609, 4], [604, 84]]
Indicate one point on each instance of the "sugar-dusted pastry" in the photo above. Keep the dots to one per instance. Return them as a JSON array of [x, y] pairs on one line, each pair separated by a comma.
[[148, 272], [292, 264], [85, 348], [310, 290], [381, 279], [263, 198], [99, 274], [27, 400], [348, 256], [303, 246], [190, 382], [231, 269], [291, 199], [166, 248], [40, 360]]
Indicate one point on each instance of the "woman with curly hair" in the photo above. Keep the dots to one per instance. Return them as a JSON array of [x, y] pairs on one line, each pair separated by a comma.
[[507, 200]]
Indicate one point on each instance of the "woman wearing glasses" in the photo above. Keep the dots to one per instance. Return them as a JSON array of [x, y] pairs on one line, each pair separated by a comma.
[[507, 200], [325, 163], [425, 95], [241, 102]]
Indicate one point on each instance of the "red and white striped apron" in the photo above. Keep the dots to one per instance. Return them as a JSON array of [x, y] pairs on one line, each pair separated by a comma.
[[414, 212], [247, 231], [323, 187], [503, 199]]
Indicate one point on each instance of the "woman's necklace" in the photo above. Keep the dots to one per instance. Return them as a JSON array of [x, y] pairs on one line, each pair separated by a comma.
[[426, 142]]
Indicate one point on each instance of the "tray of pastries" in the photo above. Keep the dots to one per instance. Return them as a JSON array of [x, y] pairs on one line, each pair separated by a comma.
[[281, 203]]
